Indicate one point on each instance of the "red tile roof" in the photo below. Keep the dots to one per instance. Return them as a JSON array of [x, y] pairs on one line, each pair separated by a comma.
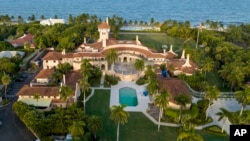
[[57, 56], [71, 78], [44, 73], [20, 41], [174, 86], [26, 90], [103, 25]]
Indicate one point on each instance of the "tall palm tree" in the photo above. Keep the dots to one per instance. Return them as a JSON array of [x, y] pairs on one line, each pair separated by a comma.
[[86, 68], [94, 124], [119, 116], [6, 81], [77, 129], [207, 65], [84, 86], [112, 57], [36, 96], [182, 100], [243, 97], [65, 92], [152, 87], [64, 68], [211, 94], [139, 65], [161, 101], [56, 77], [223, 115]]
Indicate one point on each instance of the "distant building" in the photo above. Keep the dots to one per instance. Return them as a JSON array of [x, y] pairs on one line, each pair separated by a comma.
[[26, 38], [10, 54], [52, 21]]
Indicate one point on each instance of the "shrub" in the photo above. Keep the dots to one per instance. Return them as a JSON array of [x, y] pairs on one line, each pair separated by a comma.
[[214, 130], [111, 79], [141, 81]]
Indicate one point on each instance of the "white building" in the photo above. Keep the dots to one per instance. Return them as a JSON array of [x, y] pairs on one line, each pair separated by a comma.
[[52, 21]]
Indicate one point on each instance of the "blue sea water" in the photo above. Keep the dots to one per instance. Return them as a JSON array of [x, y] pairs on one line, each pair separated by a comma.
[[225, 11]]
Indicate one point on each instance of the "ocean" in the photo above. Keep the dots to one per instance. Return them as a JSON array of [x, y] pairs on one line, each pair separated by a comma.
[[195, 11]]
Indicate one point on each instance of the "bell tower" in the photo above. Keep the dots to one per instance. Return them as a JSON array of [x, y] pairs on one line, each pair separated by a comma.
[[104, 30]]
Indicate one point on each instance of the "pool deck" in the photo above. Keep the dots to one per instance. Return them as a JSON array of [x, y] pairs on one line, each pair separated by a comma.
[[142, 100]]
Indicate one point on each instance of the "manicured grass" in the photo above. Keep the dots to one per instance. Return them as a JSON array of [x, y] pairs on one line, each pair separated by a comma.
[[214, 79], [138, 128], [156, 41]]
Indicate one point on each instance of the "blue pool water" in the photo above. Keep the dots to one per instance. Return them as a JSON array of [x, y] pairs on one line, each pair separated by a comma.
[[127, 96]]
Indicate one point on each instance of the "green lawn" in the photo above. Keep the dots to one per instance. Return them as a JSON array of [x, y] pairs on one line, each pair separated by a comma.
[[156, 41], [138, 128], [213, 79]]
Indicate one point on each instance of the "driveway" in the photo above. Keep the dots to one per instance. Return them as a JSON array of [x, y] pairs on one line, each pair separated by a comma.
[[12, 129]]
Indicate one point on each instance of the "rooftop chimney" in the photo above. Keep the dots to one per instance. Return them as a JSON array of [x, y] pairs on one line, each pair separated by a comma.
[[104, 43], [63, 52], [183, 54], [164, 51], [187, 64], [84, 40], [107, 20]]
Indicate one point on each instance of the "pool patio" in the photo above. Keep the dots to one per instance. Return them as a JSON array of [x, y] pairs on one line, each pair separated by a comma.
[[142, 100]]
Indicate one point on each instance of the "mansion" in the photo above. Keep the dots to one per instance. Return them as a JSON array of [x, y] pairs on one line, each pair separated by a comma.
[[127, 50]]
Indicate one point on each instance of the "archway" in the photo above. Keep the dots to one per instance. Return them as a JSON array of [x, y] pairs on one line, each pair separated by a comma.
[[125, 59]]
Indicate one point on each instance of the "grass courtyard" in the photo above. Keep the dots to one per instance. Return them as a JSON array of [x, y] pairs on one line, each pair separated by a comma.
[[138, 128], [157, 40]]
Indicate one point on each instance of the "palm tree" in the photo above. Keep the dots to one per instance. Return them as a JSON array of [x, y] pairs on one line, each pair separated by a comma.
[[6, 81], [211, 94], [65, 92], [182, 100], [77, 129], [36, 96], [139, 65], [94, 124], [207, 65], [223, 115], [119, 116], [161, 101], [64, 68], [56, 77], [86, 68], [243, 97], [84, 86], [112, 57]]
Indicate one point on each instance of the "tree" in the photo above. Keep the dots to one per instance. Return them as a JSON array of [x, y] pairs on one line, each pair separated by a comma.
[[243, 97], [86, 69], [36, 96], [6, 81], [77, 129], [65, 92], [33, 67], [223, 115], [84, 86], [161, 100], [64, 68], [211, 94], [182, 100], [207, 65], [94, 124], [139, 65], [119, 116], [111, 57], [189, 136]]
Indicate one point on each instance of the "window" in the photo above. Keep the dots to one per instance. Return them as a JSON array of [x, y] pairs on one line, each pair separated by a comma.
[[54, 61]]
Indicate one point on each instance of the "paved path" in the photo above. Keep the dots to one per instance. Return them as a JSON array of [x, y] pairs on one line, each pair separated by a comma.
[[12, 128]]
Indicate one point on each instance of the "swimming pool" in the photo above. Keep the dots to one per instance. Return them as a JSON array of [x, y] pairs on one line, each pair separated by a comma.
[[127, 96]]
